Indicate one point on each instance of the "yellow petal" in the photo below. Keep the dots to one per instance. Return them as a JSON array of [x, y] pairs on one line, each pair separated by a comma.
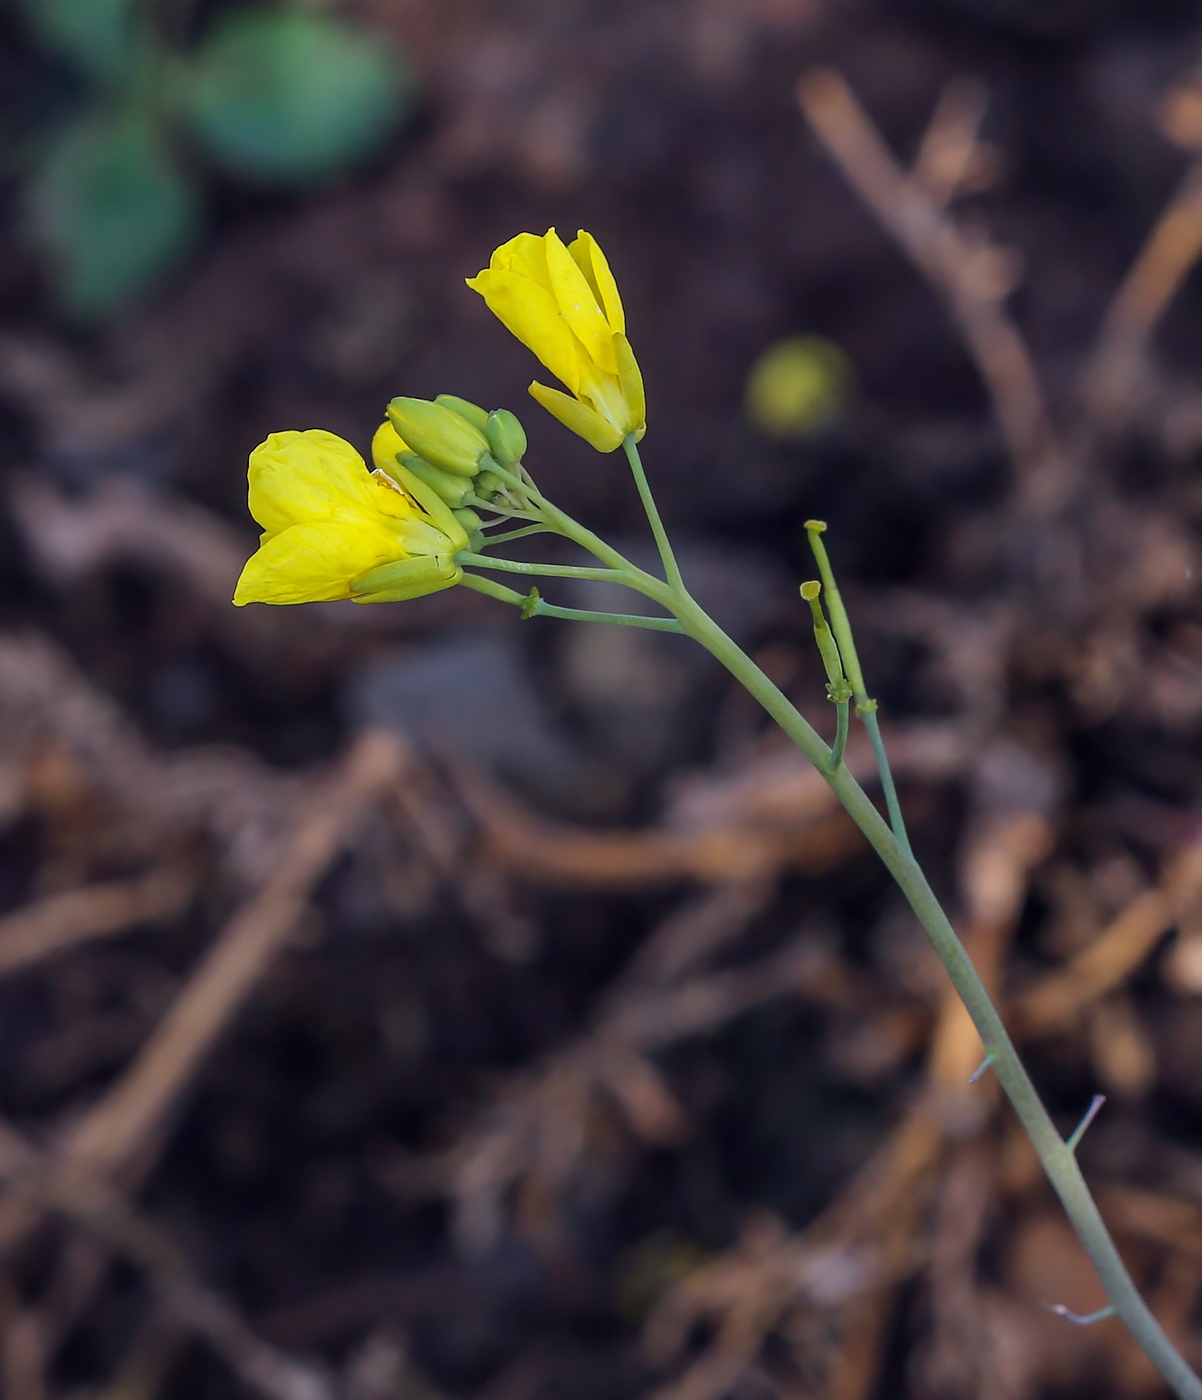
[[296, 477], [592, 262], [578, 304], [532, 314], [314, 562], [387, 497], [630, 381], [584, 421], [385, 446], [526, 254]]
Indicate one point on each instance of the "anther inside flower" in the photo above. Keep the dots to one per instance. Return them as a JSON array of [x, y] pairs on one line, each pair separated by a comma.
[[563, 303], [333, 529]]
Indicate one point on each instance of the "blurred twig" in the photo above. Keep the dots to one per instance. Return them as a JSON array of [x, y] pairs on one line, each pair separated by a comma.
[[974, 276], [63, 921], [86, 1201], [134, 1111]]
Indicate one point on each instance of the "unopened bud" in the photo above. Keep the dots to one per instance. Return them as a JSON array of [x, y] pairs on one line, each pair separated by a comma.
[[487, 485], [468, 518], [446, 485], [439, 434], [470, 412], [506, 437]]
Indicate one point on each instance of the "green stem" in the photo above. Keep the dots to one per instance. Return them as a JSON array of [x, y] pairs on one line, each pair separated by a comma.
[[839, 747], [652, 624], [1057, 1159], [515, 534], [513, 566], [492, 590], [1056, 1156], [671, 568], [892, 805], [541, 608]]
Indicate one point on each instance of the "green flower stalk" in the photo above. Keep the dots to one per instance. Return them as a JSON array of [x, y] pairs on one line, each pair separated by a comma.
[[446, 469]]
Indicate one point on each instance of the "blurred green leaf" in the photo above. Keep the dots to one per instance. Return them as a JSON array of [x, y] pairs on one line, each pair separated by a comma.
[[112, 211], [284, 96], [102, 38]]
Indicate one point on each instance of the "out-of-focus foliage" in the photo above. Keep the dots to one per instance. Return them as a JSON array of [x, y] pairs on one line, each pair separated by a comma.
[[102, 39], [112, 208], [272, 95], [797, 386], [291, 95]]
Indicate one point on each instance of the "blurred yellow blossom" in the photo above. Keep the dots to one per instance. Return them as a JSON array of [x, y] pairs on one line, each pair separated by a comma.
[[563, 303], [332, 529]]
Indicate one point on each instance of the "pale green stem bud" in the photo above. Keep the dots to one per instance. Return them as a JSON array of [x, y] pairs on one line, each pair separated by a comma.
[[470, 412], [439, 435], [506, 437], [451, 488], [487, 485]]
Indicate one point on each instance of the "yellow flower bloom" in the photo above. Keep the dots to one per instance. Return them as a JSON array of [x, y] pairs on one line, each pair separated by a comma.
[[563, 303], [332, 529]]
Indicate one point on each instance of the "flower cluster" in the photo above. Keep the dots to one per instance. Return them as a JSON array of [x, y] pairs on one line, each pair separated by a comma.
[[333, 528]]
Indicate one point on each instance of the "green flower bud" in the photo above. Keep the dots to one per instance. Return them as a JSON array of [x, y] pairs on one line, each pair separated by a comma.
[[446, 485], [439, 435], [468, 518], [470, 412], [487, 485], [506, 437]]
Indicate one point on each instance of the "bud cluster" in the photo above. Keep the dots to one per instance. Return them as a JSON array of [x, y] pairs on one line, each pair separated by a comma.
[[458, 450]]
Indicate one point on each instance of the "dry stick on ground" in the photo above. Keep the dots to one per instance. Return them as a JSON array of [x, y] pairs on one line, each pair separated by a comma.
[[974, 277], [120, 1135], [1053, 1002], [134, 1111], [90, 1203], [1113, 378], [870, 1231], [535, 1138], [63, 921], [889, 1185], [776, 812]]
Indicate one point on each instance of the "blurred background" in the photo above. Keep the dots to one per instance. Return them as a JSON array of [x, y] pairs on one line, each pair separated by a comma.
[[409, 1002]]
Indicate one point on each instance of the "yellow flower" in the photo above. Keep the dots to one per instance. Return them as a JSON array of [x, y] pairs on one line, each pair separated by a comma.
[[332, 529], [563, 303]]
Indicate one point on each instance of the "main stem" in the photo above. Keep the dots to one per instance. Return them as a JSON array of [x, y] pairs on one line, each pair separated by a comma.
[[1054, 1153], [1058, 1161]]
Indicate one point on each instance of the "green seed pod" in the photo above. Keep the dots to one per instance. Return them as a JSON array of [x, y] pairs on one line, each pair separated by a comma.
[[470, 412], [449, 487], [439, 435], [506, 436]]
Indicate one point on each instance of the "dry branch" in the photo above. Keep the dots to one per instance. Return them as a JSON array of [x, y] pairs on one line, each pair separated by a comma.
[[973, 277], [66, 920], [134, 1111]]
